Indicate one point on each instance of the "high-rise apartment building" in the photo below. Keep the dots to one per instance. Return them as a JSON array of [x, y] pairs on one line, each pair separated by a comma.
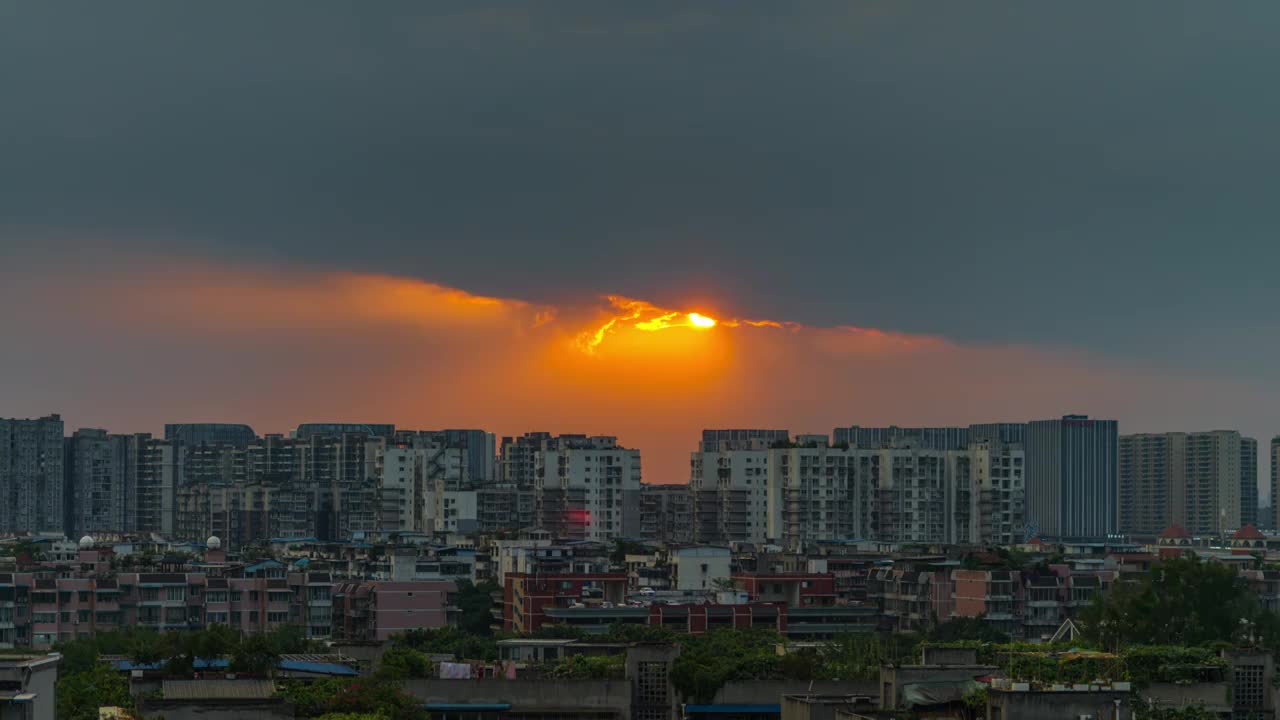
[[98, 487], [1204, 481], [210, 434], [929, 438], [157, 468], [1072, 483], [729, 484], [518, 458], [32, 479], [588, 488], [713, 440], [804, 490], [1275, 482], [997, 483], [666, 513], [1248, 481]]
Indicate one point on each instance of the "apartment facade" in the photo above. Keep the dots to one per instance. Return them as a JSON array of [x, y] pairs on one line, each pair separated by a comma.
[[588, 488], [32, 477], [1205, 482], [1072, 477]]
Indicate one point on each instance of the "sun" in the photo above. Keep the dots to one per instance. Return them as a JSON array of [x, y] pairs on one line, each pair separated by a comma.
[[701, 321]]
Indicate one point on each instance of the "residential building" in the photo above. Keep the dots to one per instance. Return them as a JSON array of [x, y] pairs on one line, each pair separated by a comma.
[[1205, 482], [191, 434], [928, 438], [526, 599], [377, 610], [997, 483], [993, 595], [29, 687], [306, 431], [815, 492], [157, 468], [699, 567], [713, 440], [910, 596], [730, 487], [805, 491], [799, 589], [97, 492], [1249, 495], [1275, 482], [588, 488], [505, 508], [666, 513], [32, 478], [517, 464], [1072, 483]]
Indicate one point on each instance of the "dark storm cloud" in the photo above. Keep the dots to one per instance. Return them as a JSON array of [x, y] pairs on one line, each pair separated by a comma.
[[1094, 175]]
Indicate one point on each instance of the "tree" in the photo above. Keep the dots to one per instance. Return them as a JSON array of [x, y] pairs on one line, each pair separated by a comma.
[[80, 695], [475, 601], [623, 548], [965, 628], [254, 654], [1181, 601], [401, 663], [78, 656], [376, 697]]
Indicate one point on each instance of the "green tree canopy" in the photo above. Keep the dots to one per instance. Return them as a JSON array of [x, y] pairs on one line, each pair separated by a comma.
[[1181, 601]]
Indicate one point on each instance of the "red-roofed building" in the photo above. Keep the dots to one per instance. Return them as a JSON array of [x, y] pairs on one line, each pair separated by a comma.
[[794, 589], [1248, 540], [526, 598], [1174, 541]]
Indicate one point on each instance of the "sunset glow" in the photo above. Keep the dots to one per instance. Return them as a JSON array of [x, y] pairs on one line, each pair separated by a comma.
[[701, 321]]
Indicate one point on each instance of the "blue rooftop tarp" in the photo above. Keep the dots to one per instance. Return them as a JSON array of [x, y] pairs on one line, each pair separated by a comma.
[[711, 709], [198, 664], [317, 668]]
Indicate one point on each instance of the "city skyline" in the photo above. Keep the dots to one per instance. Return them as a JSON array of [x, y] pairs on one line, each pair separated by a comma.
[[681, 446]]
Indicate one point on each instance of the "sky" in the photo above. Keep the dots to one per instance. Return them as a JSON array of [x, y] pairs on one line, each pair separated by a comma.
[[418, 212]]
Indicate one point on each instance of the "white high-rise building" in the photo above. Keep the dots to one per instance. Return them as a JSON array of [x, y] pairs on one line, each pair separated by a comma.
[[753, 488], [732, 489], [587, 488]]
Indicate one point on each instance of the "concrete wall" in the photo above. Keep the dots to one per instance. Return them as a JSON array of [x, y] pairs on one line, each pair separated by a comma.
[[892, 679], [770, 692], [544, 695], [216, 709], [1100, 705], [1215, 697], [949, 656], [795, 708]]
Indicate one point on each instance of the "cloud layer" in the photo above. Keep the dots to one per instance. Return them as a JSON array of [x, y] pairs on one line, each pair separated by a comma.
[[137, 342]]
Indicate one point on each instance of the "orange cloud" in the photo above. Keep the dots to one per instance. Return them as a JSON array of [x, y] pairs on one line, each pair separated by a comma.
[[130, 347]]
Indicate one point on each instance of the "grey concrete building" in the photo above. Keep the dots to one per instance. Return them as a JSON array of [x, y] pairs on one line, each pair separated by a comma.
[[210, 433], [1204, 481], [32, 477], [1072, 477], [98, 485]]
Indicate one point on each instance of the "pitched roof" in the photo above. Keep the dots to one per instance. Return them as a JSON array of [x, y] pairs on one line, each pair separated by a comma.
[[1175, 531], [1249, 532], [241, 689]]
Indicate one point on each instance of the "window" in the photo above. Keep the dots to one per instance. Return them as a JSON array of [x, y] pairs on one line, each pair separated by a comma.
[[175, 593]]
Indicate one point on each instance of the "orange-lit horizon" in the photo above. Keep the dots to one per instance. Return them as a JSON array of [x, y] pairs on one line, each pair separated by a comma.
[[220, 342]]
